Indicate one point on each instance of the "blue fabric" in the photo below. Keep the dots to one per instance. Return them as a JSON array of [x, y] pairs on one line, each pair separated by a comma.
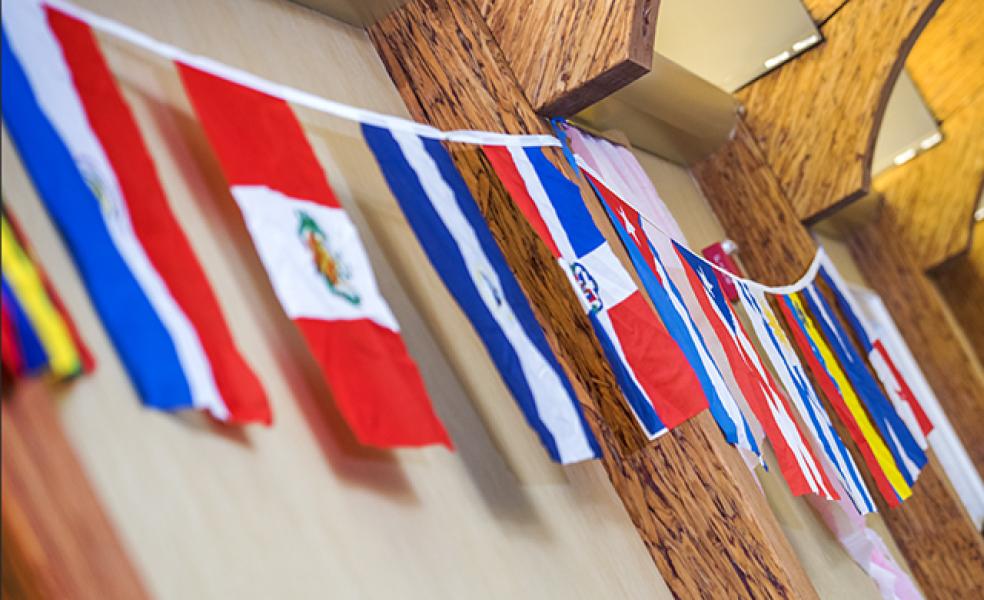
[[888, 421], [444, 253], [31, 349], [802, 385], [713, 286], [847, 311], [144, 345]]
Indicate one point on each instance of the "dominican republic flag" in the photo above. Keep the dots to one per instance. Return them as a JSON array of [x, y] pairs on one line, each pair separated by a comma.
[[908, 455], [315, 261], [902, 396], [800, 467], [83, 151], [786, 364], [650, 266], [839, 392], [655, 378], [457, 240]]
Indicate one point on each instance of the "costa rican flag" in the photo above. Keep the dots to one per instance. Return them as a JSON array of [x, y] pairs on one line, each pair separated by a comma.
[[315, 261], [652, 372], [457, 240], [83, 151], [651, 266]]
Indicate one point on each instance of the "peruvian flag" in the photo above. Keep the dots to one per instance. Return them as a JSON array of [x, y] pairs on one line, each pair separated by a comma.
[[315, 261]]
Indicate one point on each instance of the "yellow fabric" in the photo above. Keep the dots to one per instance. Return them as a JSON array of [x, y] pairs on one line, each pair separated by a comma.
[[25, 282], [871, 435]]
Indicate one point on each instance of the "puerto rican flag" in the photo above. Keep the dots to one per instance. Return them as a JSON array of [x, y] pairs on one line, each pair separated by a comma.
[[655, 378], [81, 147], [651, 266], [315, 261]]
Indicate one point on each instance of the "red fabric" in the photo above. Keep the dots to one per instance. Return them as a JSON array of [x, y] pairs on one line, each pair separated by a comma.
[[921, 417], [659, 364], [507, 172], [10, 354], [257, 138], [620, 208], [374, 382], [754, 390], [153, 222], [830, 389]]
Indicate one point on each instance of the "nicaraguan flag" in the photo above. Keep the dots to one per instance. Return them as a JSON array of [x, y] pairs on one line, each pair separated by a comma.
[[81, 147], [456, 239], [652, 372]]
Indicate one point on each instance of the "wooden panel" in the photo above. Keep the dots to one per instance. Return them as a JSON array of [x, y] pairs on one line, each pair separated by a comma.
[[933, 196], [57, 541], [821, 10], [919, 314], [961, 282], [816, 117], [693, 502], [568, 55], [774, 247], [947, 62]]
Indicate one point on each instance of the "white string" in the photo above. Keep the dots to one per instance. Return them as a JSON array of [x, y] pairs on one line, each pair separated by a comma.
[[290, 94], [345, 111]]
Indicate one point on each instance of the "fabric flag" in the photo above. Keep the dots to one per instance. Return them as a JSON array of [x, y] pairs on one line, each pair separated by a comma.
[[789, 369], [800, 467], [906, 451], [666, 296], [81, 146], [38, 333], [902, 396], [652, 372], [315, 261], [839, 392], [457, 240]]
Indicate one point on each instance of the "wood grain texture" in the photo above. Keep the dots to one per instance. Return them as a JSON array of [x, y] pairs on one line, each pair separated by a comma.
[[568, 55], [933, 196], [921, 317], [749, 202], [961, 283], [57, 541], [693, 502], [821, 10], [816, 117]]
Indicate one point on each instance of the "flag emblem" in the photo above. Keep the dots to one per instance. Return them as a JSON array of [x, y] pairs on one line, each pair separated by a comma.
[[588, 286], [336, 273]]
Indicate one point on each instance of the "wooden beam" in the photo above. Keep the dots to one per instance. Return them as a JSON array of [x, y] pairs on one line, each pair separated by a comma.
[[919, 312], [961, 283], [816, 117], [57, 540], [775, 248], [694, 503], [568, 55], [821, 10]]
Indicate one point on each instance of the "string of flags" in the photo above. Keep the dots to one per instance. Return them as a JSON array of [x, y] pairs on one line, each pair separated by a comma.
[[675, 343]]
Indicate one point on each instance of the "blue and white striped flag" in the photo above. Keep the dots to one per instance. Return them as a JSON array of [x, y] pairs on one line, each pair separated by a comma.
[[446, 221]]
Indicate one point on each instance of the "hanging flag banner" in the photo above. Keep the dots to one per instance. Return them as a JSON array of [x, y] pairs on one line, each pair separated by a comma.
[[669, 303], [839, 392], [652, 372], [38, 335], [457, 240], [81, 147], [902, 396], [790, 371], [315, 261], [908, 455]]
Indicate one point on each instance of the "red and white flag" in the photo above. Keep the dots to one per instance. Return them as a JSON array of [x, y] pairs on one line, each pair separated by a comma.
[[315, 260]]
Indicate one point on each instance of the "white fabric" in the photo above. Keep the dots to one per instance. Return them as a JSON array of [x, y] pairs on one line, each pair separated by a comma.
[[27, 31], [273, 221]]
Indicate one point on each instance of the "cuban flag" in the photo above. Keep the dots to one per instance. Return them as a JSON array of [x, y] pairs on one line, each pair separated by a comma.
[[803, 472], [652, 372], [908, 455], [315, 261], [669, 302], [457, 240], [81, 147], [902, 396], [787, 366]]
